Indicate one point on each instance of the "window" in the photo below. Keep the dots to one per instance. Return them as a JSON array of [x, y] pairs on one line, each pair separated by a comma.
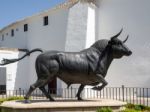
[[25, 27], [45, 20], [17, 29], [2, 37], [12, 32]]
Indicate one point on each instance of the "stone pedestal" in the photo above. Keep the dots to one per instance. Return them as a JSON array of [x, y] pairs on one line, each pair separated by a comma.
[[60, 106]]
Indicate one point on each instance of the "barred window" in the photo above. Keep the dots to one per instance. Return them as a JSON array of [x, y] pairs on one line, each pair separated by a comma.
[[45, 20], [12, 32], [25, 27]]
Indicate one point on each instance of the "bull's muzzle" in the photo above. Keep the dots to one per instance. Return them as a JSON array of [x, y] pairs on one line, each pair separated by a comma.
[[129, 53]]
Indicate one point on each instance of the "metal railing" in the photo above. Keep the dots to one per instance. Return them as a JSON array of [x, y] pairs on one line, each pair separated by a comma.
[[134, 95]]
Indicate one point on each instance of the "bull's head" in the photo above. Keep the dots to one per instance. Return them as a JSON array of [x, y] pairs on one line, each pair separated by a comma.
[[118, 47]]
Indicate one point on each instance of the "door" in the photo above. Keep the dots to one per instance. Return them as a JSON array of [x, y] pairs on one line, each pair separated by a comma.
[[52, 86], [2, 80]]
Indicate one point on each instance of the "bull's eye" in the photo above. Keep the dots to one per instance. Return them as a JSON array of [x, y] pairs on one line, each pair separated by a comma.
[[119, 43]]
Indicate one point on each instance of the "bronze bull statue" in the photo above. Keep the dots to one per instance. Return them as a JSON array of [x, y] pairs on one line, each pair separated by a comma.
[[87, 67]]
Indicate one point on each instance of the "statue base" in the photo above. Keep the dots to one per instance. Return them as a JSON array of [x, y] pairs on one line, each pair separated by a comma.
[[60, 105]]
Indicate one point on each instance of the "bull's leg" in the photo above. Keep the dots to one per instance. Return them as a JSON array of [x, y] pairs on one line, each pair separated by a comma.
[[38, 83], [47, 75], [102, 80], [46, 93], [79, 91]]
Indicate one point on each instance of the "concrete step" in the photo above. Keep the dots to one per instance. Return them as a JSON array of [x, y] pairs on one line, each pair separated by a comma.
[[60, 105]]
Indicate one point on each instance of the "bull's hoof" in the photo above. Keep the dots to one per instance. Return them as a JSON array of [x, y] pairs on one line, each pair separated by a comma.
[[27, 101], [51, 99], [80, 99]]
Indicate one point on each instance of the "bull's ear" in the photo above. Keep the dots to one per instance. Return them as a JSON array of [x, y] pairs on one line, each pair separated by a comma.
[[117, 34]]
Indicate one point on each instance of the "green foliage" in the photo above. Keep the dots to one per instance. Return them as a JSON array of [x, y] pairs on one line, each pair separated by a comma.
[[10, 98], [130, 110], [136, 108], [130, 106], [139, 107], [104, 109]]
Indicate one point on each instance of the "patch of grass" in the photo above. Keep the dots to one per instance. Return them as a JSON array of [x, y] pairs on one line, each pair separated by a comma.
[[104, 109], [10, 98]]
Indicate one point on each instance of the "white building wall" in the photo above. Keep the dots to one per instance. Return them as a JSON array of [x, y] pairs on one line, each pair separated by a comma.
[[17, 75], [91, 25], [77, 27], [134, 17], [19, 40], [22, 73]]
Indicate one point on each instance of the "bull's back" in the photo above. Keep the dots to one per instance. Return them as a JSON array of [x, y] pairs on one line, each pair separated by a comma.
[[66, 62]]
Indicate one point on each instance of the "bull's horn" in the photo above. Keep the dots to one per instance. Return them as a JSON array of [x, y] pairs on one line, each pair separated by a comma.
[[126, 39], [117, 34]]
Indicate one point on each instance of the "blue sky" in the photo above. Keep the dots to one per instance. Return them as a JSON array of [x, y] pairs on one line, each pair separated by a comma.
[[13, 10]]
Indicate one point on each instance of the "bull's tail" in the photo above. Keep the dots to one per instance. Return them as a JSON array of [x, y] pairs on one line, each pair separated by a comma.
[[8, 61]]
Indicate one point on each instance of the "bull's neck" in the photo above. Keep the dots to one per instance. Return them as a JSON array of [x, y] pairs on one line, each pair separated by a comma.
[[105, 61]]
